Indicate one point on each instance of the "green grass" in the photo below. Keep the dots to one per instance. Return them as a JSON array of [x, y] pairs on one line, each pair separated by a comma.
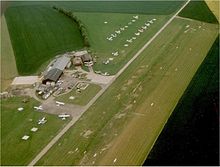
[[198, 10], [81, 98], [194, 121], [133, 133], [15, 124], [102, 48], [141, 7], [39, 33]]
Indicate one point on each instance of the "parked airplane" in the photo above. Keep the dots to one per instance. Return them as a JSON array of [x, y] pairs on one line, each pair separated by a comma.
[[141, 30], [110, 38], [118, 32], [59, 103], [129, 40], [144, 27], [115, 53], [135, 17], [122, 29], [38, 108], [42, 121], [63, 116], [137, 34]]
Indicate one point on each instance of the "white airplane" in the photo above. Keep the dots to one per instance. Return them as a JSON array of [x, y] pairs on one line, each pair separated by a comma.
[[106, 62], [42, 121], [135, 17], [141, 30], [118, 32], [122, 29], [115, 53], [137, 34], [154, 19], [38, 108], [151, 21], [125, 45], [129, 40], [114, 35], [63, 116], [110, 38], [126, 26], [147, 24], [133, 20], [144, 27], [59, 103], [133, 38]]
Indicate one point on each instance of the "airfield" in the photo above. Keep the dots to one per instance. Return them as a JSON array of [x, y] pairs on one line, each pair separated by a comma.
[[143, 62]]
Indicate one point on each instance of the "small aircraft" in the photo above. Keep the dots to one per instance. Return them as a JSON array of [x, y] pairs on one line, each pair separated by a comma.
[[118, 32], [147, 24], [141, 30], [154, 19], [135, 17], [114, 35], [129, 40], [122, 29], [110, 39], [126, 45], [115, 53], [151, 21], [126, 26], [137, 34], [133, 20], [42, 121], [59, 103], [38, 108], [144, 27], [63, 116]]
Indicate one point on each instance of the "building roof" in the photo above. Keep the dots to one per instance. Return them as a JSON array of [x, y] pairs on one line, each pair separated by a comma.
[[80, 53], [53, 74], [86, 57], [61, 63]]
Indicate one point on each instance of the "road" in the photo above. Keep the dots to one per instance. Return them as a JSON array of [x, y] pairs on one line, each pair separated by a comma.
[[72, 122]]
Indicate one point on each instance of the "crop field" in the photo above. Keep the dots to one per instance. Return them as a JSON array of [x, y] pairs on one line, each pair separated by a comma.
[[194, 121], [39, 33], [143, 97], [140, 7], [102, 48], [7, 60], [81, 98], [198, 10], [15, 124]]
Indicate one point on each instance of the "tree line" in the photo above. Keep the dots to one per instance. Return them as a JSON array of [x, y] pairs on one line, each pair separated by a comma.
[[78, 22]]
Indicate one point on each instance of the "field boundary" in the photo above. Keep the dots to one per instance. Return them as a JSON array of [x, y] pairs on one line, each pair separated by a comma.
[[72, 122]]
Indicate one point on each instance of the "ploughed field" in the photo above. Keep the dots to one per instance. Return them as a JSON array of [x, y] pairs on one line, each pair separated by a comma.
[[130, 115]]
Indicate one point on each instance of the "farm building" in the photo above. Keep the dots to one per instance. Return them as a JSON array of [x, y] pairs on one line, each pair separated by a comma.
[[80, 53], [56, 70], [86, 58]]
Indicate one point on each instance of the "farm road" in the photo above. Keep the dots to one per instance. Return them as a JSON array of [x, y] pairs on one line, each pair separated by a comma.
[[72, 122]]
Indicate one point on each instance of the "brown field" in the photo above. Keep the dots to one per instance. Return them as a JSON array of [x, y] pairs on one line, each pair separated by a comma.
[[7, 61], [214, 7]]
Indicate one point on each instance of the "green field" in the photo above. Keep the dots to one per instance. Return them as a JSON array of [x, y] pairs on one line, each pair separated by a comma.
[[15, 124], [198, 10], [102, 48], [39, 33], [141, 7], [80, 98], [127, 119]]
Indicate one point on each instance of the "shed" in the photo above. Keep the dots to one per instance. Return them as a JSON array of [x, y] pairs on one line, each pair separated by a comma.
[[86, 58]]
